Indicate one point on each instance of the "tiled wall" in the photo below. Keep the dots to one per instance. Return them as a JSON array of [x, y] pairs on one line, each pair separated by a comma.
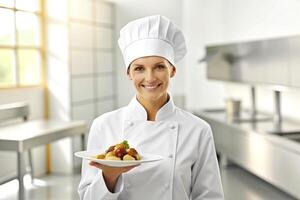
[[80, 68], [91, 59]]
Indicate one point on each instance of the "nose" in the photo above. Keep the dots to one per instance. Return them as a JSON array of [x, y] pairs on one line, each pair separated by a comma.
[[150, 76]]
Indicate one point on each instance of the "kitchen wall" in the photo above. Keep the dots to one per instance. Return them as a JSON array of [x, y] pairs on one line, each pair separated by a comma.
[[234, 20], [127, 10], [33, 95], [202, 22], [80, 71]]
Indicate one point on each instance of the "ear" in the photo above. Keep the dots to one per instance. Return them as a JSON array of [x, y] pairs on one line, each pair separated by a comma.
[[129, 76], [173, 72], [128, 73]]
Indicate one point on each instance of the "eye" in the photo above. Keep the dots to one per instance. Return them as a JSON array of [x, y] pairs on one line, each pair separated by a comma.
[[138, 68], [160, 66]]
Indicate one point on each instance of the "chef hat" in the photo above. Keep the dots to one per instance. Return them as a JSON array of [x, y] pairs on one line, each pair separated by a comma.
[[151, 36]]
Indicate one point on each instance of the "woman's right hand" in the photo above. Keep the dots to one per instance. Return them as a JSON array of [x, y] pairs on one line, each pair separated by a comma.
[[111, 174]]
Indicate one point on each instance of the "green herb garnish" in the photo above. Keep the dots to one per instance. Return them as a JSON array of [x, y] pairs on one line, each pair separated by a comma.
[[125, 142]]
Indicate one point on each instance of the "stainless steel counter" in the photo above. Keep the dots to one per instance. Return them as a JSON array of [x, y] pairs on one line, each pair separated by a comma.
[[23, 136], [264, 148]]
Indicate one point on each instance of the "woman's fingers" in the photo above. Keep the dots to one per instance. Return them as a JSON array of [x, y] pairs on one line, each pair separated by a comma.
[[111, 174], [111, 169], [95, 164]]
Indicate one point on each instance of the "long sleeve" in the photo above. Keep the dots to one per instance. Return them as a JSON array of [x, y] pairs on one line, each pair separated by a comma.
[[205, 172], [92, 185]]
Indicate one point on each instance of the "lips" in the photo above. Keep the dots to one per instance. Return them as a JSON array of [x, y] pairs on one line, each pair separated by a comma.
[[151, 87]]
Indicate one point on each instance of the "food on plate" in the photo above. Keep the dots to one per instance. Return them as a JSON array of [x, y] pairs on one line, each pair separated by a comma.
[[121, 151]]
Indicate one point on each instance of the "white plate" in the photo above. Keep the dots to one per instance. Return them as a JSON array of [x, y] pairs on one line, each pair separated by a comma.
[[90, 155]]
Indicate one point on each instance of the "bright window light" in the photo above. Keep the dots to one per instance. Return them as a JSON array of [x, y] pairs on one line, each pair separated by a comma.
[[6, 67], [7, 32], [29, 67], [28, 29], [20, 43], [28, 5], [7, 3]]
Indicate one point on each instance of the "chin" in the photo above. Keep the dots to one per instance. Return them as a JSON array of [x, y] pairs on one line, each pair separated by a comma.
[[152, 97]]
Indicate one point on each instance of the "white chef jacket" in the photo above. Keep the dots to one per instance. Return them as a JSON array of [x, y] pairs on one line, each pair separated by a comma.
[[189, 170]]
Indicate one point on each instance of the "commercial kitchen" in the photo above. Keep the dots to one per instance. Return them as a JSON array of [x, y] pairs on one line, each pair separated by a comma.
[[61, 67]]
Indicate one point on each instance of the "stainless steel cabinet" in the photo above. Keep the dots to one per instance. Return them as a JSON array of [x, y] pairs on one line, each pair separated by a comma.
[[274, 158]]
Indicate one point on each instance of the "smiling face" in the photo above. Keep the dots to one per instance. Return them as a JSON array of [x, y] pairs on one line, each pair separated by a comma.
[[151, 76]]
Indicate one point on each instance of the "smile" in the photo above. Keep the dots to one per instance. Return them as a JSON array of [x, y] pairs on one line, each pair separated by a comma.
[[151, 86]]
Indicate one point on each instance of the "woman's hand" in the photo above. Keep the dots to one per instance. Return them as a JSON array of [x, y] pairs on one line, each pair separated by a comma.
[[111, 174]]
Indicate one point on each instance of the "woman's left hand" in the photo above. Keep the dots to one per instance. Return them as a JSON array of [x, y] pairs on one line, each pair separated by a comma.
[[111, 174]]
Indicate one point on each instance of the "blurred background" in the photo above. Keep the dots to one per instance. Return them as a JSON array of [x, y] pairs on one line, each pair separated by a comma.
[[62, 58]]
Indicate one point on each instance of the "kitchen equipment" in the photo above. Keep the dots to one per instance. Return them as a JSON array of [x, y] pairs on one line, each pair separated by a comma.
[[233, 108]]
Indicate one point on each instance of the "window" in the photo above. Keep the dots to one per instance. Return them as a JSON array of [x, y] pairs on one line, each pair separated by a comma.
[[20, 43]]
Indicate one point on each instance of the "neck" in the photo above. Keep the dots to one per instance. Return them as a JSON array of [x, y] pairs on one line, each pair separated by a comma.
[[152, 107]]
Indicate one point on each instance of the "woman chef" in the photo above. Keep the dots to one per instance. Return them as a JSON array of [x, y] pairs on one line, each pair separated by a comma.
[[151, 47]]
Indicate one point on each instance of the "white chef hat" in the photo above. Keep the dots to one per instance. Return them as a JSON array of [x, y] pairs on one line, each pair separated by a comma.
[[152, 36]]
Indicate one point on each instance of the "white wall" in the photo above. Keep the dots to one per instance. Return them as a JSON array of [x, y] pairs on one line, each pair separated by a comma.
[[127, 10], [246, 20], [79, 57], [35, 97], [216, 21], [201, 24]]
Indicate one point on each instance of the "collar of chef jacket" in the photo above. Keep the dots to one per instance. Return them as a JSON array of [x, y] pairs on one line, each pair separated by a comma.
[[135, 110]]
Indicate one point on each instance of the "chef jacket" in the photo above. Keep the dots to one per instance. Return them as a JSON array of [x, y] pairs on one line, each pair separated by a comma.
[[189, 170]]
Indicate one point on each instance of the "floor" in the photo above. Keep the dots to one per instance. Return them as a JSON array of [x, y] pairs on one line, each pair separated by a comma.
[[53, 187], [238, 185]]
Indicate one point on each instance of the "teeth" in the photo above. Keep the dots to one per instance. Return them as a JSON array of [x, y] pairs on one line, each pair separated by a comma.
[[150, 86]]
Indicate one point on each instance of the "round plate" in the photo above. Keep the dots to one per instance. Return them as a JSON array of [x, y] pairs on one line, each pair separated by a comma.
[[90, 155]]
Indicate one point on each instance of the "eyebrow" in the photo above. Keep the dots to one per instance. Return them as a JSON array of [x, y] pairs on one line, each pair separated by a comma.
[[140, 65]]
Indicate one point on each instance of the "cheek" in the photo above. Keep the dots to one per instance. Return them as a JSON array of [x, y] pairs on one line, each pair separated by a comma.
[[166, 78], [136, 80], [135, 77]]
